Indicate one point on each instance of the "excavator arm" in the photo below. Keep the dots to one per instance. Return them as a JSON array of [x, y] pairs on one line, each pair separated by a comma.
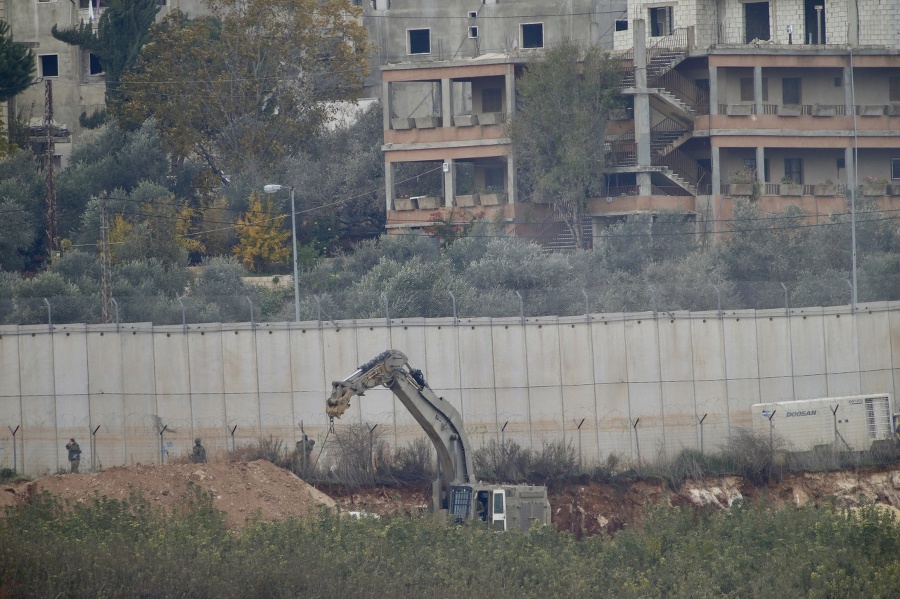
[[440, 420]]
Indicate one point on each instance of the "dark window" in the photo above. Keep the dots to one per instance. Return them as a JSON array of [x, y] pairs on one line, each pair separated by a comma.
[[420, 41], [813, 19], [894, 87], [494, 178], [95, 67], [895, 169], [756, 21], [793, 170], [473, 31], [790, 90], [661, 20], [841, 163], [532, 35], [621, 25], [49, 65], [491, 100], [702, 84]]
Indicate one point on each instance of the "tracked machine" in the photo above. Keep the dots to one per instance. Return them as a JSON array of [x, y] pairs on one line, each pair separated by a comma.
[[456, 493]]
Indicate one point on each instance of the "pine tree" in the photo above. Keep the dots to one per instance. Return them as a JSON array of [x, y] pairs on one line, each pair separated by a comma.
[[122, 31], [17, 65]]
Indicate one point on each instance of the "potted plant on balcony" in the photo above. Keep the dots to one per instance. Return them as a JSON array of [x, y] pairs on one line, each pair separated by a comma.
[[743, 183], [874, 186], [492, 196], [789, 187], [826, 189]]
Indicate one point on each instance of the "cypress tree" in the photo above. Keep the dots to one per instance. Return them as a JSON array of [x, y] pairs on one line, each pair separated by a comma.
[[122, 31], [17, 65]]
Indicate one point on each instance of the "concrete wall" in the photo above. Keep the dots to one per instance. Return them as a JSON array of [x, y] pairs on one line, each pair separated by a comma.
[[641, 382]]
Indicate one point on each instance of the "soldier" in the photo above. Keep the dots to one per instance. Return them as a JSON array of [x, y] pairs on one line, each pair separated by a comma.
[[198, 455], [74, 455]]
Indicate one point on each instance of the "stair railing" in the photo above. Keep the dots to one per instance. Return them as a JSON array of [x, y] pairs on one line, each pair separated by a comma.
[[684, 89]]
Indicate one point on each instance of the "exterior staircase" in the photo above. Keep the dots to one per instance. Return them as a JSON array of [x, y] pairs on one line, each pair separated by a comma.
[[564, 241]]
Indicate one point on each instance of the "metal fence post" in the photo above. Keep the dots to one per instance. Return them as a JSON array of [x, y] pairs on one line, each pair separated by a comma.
[[116, 306], [453, 299], [162, 446], [578, 426], [15, 455], [249, 301], [94, 447], [700, 422], [587, 306], [521, 308], [183, 316], [637, 440], [49, 314], [787, 303], [231, 432]]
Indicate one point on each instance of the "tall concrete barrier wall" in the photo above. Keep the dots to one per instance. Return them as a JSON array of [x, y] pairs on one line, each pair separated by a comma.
[[640, 385]]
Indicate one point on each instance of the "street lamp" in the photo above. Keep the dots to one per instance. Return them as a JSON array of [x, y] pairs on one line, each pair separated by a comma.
[[270, 189]]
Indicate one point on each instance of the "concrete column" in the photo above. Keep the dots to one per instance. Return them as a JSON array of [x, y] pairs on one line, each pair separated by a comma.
[[848, 91], [511, 178], [447, 102], [716, 196], [450, 183], [713, 90], [389, 184], [509, 80], [853, 22], [851, 171], [387, 105], [641, 98], [757, 89], [761, 168], [644, 186]]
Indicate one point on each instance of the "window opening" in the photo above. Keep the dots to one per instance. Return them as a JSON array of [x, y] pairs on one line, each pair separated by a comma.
[[756, 22], [894, 89], [532, 35], [419, 41], [895, 169], [494, 178], [473, 31], [790, 90], [747, 89], [95, 66], [491, 100], [49, 65], [813, 19], [621, 25], [793, 170], [661, 19]]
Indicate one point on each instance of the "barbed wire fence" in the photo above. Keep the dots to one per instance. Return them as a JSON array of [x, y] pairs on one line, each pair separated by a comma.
[[324, 308]]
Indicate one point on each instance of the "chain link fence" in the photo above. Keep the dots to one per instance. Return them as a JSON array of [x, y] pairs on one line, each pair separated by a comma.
[[358, 304]]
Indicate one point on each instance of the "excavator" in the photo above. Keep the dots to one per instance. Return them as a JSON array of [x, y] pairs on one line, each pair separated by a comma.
[[455, 493]]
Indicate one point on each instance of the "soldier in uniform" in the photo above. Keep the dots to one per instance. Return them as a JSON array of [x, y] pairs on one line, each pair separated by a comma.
[[74, 455], [198, 455]]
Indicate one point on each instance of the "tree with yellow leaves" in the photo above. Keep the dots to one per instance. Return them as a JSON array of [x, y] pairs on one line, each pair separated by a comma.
[[262, 240]]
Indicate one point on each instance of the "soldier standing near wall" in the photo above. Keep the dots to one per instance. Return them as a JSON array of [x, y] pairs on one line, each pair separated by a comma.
[[198, 455], [74, 455]]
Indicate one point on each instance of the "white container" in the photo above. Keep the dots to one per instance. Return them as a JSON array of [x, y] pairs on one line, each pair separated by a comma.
[[850, 423]]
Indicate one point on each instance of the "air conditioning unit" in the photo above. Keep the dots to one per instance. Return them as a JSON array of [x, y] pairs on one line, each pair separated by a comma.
[[473, 32]]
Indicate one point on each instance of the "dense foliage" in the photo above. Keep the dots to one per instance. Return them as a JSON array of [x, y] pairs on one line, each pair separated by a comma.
[[111, 548], [17, 65]]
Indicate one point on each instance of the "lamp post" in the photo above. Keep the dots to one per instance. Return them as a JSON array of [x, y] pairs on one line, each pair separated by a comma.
[[270, 189]]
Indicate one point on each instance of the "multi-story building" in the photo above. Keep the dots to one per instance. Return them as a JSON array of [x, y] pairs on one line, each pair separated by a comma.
[[77, 76], [802, 96]]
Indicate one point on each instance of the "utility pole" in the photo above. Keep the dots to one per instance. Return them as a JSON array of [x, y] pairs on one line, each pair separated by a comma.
[[105, 292], [48, 166]]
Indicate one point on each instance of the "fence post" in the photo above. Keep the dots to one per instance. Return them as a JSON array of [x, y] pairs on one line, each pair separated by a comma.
[[15, 454], [587, 306], [371, 447], [116, 306], [787, 304], [162, 447], [578, 426], [49, 315], [453, 299], [183, 317], [521, 308], [772, 437], [231, 432], [700, 422], [637, 440], [94, 447], [249, 301]]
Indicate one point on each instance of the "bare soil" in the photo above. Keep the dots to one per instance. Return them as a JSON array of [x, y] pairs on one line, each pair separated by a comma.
[[261, 489]]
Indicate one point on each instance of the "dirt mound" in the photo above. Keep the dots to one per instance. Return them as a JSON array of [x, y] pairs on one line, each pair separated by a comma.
[[241, 489]]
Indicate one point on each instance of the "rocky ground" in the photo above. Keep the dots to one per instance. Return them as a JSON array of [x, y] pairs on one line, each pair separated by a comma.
[[243, 489]]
